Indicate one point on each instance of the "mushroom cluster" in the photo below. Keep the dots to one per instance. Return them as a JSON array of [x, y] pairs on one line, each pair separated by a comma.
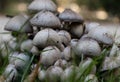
[[58, 46]]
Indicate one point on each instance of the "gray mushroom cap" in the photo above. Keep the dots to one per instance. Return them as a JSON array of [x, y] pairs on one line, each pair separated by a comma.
[[45, 19], [19, 24], [38, 5], [70, 16], [47, 37]]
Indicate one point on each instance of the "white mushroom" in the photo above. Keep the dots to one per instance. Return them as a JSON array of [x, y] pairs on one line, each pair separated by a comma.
[[19, 23], [91, 78], [102, 34], [110, 63], [61, 63], [45, 19], [47, 37], [77, 30], [47, 5], [87, 46], [10, 73], [26, 45], [34, 50], [70, 16], [54, 73], [91, 26], [41, 74], [67, 53], [65, 37], [87, 63], [50, 55]]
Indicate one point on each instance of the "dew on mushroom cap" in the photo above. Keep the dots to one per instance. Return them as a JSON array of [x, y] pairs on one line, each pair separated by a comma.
[[19, 23], [47, 5], [45, 19]]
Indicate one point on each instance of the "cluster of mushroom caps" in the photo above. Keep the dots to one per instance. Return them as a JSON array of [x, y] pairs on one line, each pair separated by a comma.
[[58, 39]]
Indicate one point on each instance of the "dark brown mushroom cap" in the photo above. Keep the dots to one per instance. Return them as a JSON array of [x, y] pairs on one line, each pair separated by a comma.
[[38, 5], [45, 19], [19, 24], [70, 16]]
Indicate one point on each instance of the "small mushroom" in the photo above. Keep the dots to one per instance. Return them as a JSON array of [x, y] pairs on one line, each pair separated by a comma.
[[88, 63], [45, 19], [77, 30], [26, 45], [34, 50], [47, 5], [10, 73], [68, 73], [50, 55], [91, 26], [41, 74], [110, 63], [65, 37], [87, 46], [47, 37], [19, 23], [67, 54], [91, 78], [54, 73], [70, 16], [102, 35], [61, 63]]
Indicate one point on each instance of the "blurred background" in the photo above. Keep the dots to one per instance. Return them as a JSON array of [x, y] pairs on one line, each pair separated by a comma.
[[91, 10]]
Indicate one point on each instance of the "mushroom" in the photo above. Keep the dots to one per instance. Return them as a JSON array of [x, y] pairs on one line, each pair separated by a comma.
[[50, 55], [68, 73], [77, 30], [47, 37], [102, 35], [41, 74], [19, 23], [10, 73], [47, 5], [19, 60], [70, 16], [45, 19], [91, 78], [67, 54], [90, 26], [34, 50], [87, 63], [54, 73], [87, 46], [65, 37], [26, 45], [12, 57], [110, 63], [61, 63]]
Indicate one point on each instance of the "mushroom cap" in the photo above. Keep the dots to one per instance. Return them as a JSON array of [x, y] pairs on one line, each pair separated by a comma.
[[87, 46], [65, 37], [45, 19], [61, 63], [70, 16], [26, 45], [10, 73], [102, 34], [19, 23], [41, 74], [91, 78], [53, 73], [47, 37], [50, 55], [110, 63], [47, 5]]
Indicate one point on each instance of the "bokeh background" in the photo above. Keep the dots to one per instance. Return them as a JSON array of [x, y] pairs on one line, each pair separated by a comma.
[[91, 10]]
